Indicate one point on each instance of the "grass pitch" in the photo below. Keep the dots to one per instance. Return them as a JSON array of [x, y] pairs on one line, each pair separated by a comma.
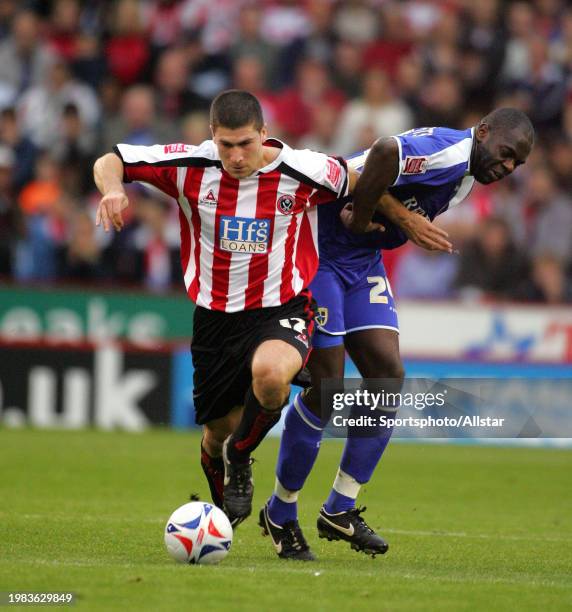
[[470, 528]]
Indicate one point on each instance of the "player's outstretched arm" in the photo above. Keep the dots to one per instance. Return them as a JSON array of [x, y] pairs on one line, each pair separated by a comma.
[[108, 176], [418, 228], [380, 171]]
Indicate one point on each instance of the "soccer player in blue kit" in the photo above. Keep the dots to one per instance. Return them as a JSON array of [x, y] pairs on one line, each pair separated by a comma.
[[429, 170]]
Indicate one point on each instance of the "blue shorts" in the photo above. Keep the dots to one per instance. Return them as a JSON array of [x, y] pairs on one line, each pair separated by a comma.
[[350, 300]]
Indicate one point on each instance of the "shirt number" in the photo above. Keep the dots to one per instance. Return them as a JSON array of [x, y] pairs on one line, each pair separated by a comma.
[[295, 323]]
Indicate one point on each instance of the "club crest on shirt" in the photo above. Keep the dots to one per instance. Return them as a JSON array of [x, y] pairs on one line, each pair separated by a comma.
[[415, 164], [321, 316], [285, 204]]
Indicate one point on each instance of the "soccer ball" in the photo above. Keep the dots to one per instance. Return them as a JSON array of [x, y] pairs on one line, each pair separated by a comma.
[[198, 532]]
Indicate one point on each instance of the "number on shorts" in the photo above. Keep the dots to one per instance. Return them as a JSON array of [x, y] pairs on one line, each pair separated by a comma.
[[299, 325], [381, 286]]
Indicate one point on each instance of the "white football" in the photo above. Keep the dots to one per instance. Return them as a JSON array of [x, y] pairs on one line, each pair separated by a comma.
[[198, 532]]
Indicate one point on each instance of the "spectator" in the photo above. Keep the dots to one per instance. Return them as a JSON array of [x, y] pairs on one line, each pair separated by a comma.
[[10, 225], [346, 73], [378, 108], [248, 74], [548, 216], [421, 274], [317, 44], [82, 257], [88, 63], [8, 9], [483, 36], [441, 102], [322, 136], [24, 150], [173, 96], [64, 28], [74, 149], [249, 43], [284, 21], [561, 163], [138, 123], [548, 282], [41, 109], [46, 213], [24, 56], [195, 128], [127, 51], [356, 21], [393, 45], [165, 25], [520, 30], [491, 265], [157, 241], [313, 89]]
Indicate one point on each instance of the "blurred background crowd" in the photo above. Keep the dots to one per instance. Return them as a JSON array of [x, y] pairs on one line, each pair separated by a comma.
[[78, 76]]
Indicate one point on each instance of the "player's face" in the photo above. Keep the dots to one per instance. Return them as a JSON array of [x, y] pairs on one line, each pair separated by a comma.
[[498, 153], [240, 150]]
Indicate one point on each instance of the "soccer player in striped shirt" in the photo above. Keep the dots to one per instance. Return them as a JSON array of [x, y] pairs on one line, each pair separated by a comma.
[[248, 216], [429, 170]]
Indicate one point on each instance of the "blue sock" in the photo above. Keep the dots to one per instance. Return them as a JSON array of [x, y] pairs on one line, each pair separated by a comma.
[[362, 452], [299, 448]]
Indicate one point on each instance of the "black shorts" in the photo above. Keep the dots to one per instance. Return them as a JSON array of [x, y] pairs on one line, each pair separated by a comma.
[[224, 343]]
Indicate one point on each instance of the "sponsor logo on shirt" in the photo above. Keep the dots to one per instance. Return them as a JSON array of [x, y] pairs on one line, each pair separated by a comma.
[[333, 173], [415, 164], [209, 199], [413, 205], [285, 204], [178, 147], [244, 235]]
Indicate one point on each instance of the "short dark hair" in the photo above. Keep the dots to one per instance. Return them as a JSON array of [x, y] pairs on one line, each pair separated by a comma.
[[236, 108], [509, 119]]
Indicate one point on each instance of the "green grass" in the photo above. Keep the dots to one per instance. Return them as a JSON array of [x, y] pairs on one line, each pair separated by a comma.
[[470, 528]]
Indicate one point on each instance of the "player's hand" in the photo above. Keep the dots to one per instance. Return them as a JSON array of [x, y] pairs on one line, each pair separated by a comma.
[[426, 235], [109, 210], [347, 215]]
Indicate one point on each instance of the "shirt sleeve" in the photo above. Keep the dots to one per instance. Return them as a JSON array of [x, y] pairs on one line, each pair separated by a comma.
[[426, 158], [156, 164], [334, 176], [328, 175]]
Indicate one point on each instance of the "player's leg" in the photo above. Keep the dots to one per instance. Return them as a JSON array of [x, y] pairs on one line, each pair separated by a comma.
[[214, 434], [302, 434], [280, 350], [299, 447], [220, 381], [372, 342], [303, 425]]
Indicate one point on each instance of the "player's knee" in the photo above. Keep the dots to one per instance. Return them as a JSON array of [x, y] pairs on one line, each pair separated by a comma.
[[390, 367], [271, 384], [272, 375]]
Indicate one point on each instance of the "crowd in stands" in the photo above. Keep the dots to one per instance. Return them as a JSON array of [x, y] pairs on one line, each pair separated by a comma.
[[78, 76]]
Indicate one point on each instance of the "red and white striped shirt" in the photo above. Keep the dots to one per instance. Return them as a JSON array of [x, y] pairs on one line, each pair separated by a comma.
[[245, 243]]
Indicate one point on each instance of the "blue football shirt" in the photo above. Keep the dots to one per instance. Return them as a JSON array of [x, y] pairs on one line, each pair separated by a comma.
[[434, 175]]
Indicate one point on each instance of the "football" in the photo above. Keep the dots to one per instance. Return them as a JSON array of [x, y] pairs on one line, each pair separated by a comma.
[[198, 532]]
